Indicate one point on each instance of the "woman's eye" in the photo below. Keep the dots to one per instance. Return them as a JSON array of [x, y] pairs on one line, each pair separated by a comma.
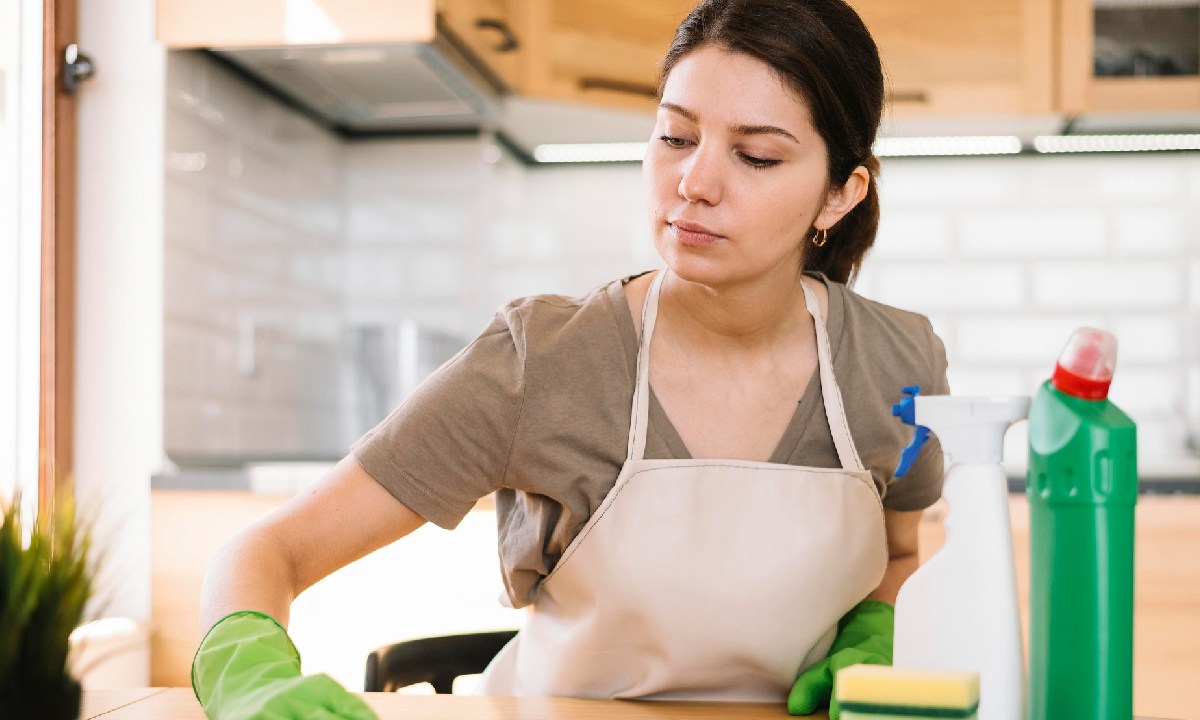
[[673, 141], [757, 162]]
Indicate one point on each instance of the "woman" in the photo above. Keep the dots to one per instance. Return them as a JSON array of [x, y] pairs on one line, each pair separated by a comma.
[[692, 467]]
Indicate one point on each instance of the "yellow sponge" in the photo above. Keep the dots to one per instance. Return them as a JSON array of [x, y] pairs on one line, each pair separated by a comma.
[[883, 689]]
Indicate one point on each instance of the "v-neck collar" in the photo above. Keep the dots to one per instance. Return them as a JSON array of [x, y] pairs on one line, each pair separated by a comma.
[[808, 402]]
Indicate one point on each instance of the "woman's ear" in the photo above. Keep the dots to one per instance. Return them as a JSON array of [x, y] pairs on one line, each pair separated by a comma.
[[842, 200]]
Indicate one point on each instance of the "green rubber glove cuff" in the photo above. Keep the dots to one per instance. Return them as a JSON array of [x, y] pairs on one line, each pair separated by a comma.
[[864, 636], [247, 668], [241, 651]]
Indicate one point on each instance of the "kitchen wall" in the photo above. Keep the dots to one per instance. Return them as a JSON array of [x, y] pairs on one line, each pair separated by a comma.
[[303, 239], [254, 259]]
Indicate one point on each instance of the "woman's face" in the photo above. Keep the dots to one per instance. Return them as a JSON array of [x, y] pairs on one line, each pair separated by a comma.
[[735, 172]]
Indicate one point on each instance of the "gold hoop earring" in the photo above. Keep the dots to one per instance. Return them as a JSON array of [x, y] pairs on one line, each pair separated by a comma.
[[820, 237]]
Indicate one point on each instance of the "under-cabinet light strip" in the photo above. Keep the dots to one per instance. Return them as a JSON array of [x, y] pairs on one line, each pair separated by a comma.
[[590, 152], [1115, 143], [947, 146]]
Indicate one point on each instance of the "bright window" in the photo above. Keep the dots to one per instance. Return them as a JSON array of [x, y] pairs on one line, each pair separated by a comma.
[[20, 234]]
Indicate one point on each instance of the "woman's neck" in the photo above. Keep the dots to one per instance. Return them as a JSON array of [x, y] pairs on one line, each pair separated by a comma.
[[746, 317]]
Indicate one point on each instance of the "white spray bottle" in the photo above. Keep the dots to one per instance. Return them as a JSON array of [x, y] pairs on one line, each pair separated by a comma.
[[959, 610]]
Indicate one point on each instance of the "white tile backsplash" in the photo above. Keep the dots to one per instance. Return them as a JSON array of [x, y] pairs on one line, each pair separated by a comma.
[[934, 286], [253, 230], [1147, 232], [1032, 234], [1116, 286], [272, 220]]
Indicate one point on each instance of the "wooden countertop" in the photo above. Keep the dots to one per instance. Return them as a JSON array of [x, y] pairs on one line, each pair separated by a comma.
[[180, 704]]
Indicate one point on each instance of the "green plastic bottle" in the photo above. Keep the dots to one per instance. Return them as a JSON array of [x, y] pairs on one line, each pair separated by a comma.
[[1082, 488]]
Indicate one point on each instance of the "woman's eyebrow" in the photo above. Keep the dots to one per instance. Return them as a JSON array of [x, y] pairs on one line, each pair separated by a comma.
[[736, 129]]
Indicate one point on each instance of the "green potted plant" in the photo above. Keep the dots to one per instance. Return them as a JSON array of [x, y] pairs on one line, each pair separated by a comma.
[[45, 582]]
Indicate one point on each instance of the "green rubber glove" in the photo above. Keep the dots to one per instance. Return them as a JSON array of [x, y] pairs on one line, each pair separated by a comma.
[[247, 668], [864, 636]]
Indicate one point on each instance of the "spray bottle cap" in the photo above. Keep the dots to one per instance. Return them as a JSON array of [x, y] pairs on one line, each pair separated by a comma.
[[907, 412], [1085, 367], [971, 429]]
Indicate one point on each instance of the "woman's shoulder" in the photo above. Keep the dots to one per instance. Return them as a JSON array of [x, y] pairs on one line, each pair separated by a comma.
[[877, 329], [559, 325], [864, 314]]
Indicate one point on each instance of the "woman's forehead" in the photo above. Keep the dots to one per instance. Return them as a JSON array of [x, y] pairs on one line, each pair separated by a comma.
[[715, 84]]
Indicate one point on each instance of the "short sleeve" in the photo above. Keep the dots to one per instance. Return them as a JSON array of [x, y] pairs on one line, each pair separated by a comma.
[[448, 444]]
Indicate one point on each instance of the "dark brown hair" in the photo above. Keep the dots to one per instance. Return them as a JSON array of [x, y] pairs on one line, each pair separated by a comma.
[[822, 50]]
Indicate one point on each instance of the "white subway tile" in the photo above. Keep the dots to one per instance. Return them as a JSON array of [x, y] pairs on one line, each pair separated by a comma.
[[1108, 285], [984, 380], [906, 183], [1149, 338], [927, 287], [1063, 181], [913, 234], [1194, 283], [1193, 185], [1149, 391], [183, 360], [1142, 232], [1139, 178], [189, 216], [1159, 442], [437, 275], [1033, 234], [1035, 339]]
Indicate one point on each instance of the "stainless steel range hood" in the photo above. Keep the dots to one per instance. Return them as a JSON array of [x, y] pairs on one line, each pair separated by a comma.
[[395, 89], [360, 89]]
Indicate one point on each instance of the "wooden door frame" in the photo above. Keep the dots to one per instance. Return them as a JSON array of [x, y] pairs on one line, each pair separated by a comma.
[[56, 416]]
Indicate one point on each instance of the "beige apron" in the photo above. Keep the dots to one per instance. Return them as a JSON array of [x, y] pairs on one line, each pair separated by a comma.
[[703, 579]]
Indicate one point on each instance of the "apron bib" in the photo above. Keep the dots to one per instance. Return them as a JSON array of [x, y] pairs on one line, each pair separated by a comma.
[[703, 579]]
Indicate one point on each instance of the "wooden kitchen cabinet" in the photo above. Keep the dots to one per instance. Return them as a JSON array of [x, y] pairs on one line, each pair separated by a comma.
[[964, 57], [942, 57], [493, 32], [1081, 90], [266, 23], [601, 51]]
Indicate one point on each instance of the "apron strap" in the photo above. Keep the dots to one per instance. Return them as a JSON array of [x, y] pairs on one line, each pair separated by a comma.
[[641, 395], [835, 411]]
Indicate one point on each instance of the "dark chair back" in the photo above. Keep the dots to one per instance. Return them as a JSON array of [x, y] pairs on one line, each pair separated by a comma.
[[435, 660]]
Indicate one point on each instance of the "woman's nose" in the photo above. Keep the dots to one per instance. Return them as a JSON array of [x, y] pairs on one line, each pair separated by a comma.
[[701, 180]]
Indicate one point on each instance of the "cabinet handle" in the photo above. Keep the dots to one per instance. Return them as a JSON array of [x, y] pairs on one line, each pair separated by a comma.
[[631, 88], [509, 40], [907, 96]]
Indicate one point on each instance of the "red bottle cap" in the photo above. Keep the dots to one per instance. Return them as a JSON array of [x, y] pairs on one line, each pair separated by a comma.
[[1085, 366]]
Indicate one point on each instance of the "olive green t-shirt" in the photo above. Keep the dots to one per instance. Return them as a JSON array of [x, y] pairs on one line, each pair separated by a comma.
[[537, 410]]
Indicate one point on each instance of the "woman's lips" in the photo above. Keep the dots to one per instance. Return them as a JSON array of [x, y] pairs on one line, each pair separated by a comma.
[[694, 234]]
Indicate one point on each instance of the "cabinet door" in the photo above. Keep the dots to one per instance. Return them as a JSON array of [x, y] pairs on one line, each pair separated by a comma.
[[493, 32], [267, 23], [964, 57], [1126, 55], [602, 51]]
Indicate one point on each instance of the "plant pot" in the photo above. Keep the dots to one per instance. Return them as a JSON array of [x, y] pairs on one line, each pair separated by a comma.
[[61, 705]]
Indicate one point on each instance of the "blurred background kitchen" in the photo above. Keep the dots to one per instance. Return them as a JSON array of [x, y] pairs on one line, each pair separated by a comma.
[[291, 211]]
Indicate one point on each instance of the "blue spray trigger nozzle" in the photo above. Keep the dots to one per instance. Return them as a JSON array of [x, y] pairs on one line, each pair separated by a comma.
[[906, 410]]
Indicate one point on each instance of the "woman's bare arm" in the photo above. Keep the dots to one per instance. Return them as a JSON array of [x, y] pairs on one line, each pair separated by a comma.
[[902, 553], [344, 517]]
